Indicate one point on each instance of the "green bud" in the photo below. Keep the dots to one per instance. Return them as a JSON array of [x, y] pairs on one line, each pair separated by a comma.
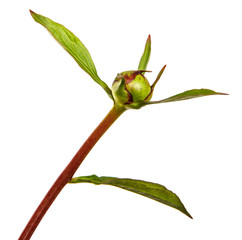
[[131, 87]]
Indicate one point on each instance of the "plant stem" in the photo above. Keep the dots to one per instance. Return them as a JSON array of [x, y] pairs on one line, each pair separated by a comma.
[[69, 171]]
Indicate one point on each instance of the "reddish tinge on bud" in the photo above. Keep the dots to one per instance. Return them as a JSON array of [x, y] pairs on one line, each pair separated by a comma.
[[131, 87]]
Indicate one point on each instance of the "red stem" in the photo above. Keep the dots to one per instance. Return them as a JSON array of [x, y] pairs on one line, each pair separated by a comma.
[[69, 171]]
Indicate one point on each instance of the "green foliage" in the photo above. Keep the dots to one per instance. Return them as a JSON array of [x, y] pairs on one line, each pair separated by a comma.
[[146, 55], [73, 46], [194, 93], [82, 56], [158, 77], [148, 189]]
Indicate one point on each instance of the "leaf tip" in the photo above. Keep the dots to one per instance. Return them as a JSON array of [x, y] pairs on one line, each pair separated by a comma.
[[148, 41], [189, 215], [223, 93], [31, 12], [219, 93], [164, 67]]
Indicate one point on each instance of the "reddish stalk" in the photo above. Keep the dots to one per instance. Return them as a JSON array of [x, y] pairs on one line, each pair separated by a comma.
[[69, 171]]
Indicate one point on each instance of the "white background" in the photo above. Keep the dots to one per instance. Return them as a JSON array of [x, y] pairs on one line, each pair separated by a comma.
[[49, 106]]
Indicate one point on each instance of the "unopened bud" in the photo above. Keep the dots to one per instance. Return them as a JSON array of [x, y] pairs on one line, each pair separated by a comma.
[[130, 87]]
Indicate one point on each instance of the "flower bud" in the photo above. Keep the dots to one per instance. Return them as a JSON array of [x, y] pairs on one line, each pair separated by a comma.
[[131, 87]]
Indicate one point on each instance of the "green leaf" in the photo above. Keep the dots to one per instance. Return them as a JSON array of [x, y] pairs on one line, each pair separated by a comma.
[[148, 189], [146, 55], [73, 46], [194, 93], [158, 77], [155, 82]]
